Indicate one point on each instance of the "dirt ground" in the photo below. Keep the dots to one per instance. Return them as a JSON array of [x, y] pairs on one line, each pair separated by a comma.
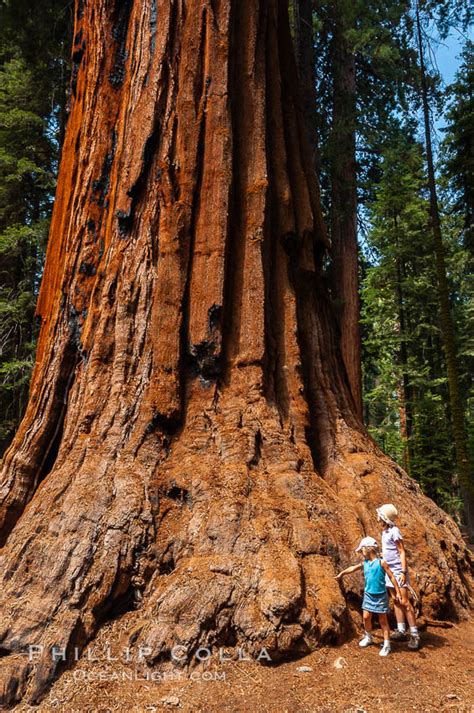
[[439, 677]]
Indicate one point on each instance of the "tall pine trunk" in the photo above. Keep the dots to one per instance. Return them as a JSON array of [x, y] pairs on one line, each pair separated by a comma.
[[466, 478], [404, 388], [191, 447]]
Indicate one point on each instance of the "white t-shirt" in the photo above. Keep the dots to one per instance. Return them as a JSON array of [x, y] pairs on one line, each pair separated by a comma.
[[390, 553]]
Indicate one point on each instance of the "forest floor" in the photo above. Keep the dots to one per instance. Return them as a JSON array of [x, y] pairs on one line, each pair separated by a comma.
[[439, 677]]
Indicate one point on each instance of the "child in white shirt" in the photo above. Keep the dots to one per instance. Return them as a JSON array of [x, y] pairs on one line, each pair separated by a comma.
[[393, 552]]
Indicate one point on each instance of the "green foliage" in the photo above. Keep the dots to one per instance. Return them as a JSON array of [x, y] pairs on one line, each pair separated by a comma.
[[458, 181], [447, 14], [378, 35], [33, 40], [404, 371], [405, 376], [459, 144]]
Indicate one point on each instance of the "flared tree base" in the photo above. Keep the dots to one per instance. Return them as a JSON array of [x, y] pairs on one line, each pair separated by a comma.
[[229, 539]]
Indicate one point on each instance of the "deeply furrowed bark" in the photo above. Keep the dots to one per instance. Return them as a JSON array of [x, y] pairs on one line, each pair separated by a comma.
[[345, 282], [190, 444]]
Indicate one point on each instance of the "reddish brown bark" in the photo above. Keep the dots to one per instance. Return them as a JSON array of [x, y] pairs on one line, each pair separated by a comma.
[[344, 200], [306, 60], [190, 447]]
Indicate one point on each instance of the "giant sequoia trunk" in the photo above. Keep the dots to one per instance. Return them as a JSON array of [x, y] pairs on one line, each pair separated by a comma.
[[191, 443]]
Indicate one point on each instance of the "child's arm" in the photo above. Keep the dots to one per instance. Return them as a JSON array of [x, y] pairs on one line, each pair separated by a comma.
[[349, 570], [392, 578], [403, 560]]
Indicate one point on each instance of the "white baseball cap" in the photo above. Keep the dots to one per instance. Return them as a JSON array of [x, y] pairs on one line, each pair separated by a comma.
[[367, 542]]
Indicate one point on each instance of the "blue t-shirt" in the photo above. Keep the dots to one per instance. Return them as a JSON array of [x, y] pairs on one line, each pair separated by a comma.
[[374, 575]]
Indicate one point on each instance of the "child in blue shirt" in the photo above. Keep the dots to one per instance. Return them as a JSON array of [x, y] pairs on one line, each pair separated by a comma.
[[375, 592]]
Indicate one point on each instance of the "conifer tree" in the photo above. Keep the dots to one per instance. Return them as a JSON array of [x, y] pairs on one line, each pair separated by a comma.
[[466, 477], [406, 392], [33, 79], [459, 144]]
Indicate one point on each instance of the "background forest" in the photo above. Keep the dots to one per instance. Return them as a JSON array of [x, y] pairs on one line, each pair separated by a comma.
[[394, 149]]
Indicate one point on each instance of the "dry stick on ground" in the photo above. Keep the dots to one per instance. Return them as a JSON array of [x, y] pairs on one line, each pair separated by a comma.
[[208, 467]]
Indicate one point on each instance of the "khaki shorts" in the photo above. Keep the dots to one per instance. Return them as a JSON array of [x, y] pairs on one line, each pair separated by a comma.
[[389, 584]]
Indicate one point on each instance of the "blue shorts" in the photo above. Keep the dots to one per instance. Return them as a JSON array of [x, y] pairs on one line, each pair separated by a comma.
[[375, 603]]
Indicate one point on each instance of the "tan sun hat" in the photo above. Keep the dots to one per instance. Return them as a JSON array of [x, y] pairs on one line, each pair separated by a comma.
[[387, 513]]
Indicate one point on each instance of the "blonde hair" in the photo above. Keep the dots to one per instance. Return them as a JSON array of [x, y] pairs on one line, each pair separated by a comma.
[[372, 548]]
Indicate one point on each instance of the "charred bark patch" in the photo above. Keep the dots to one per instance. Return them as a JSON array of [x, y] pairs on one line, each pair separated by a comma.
[[180, 495], [78, 54], [120, 22], [169, 425], [88, 269], [153, 21], [215, 317], [91, 227], [76, 60], [125, 223], [205, 361], [125, 218], [257, 454], [167, 565], [74, 324], [100, 187]]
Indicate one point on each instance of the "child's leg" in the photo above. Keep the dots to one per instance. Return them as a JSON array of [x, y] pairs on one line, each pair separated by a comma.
[[367, 618], [407, 608], [399, 610], [367, 639], [414, 640], [383, 621]]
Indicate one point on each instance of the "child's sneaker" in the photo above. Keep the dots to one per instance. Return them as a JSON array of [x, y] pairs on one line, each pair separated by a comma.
[[366, 641], [398, 635], [414, 642], [385, 650]]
